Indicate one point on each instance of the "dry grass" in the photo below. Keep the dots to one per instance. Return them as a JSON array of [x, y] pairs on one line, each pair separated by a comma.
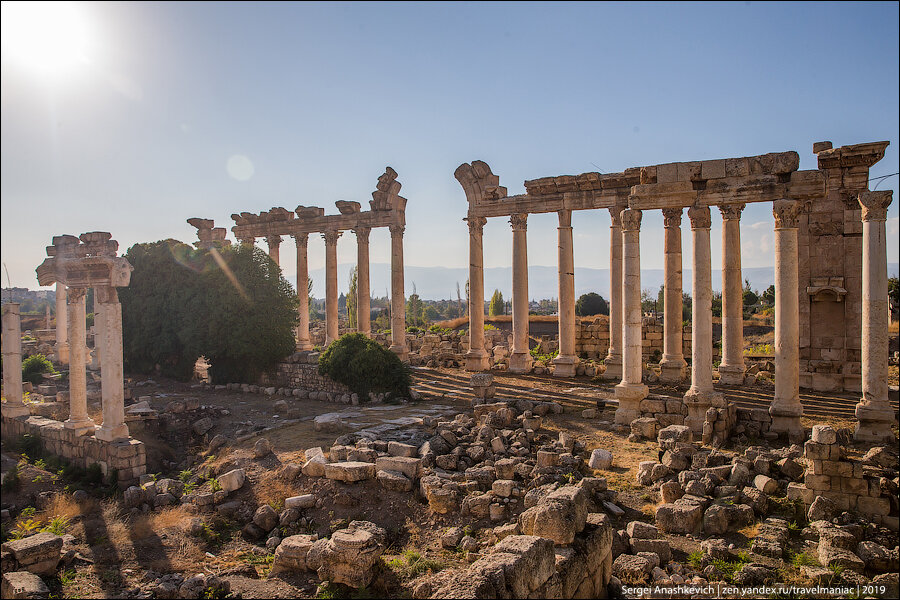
[[272, 490], [62, 505], [172, 518], [750, 531]]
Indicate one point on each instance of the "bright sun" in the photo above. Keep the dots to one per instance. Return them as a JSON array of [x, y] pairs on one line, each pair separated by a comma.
[[48, 38]]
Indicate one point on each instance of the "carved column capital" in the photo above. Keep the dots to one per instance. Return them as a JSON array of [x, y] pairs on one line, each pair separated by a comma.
[[631, 219], [331, 237], [731, 212], [362, 234], [700, 217], [786, 213], [75, 294], [875, 204], [565, 218], [615, 216], [397, 229], [519, 221], [106, 295], [301, 239], [672, 216], [476, 225], [273, 240]]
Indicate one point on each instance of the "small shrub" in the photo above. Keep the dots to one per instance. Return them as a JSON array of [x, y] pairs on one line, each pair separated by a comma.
[[365, 366], [695, 559], [34, 367], [57, 525]]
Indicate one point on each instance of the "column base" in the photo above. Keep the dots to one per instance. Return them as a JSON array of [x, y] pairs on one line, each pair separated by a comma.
[[304, 346], [477, 361], [672, 370], [84, 427], [112, 434], [613, 370], [629, 396], [12, 411], [400, 351], [731, 374], [564, 366], [520, 362], [874, 423], [786, 415], [698, 402]]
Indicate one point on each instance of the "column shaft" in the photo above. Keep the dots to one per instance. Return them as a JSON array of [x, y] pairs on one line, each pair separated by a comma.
[[731, 368], [476, 358], [630, 391], [363, 309], [701, 395], [786, 408], [303, 341], [520, 358], [874, 414], [12, 362], [398, 295], [672, 366], [331, 286], [78, 415], [111, 370], [614, 356], [566, 363], [62, 336]]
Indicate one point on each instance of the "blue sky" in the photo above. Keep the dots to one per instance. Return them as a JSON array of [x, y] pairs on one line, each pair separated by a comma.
[[321, 97]]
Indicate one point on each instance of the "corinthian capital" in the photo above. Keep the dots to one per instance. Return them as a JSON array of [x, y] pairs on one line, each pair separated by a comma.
[[476, 225], [731, 212], [672, 216], [875, 204], [362, 234], [301, 239], [397, 230], [631, 219], [331, 237], [75, 294], [273, 240], [786, 213], [700, 217], [519, 221], [615, 216]]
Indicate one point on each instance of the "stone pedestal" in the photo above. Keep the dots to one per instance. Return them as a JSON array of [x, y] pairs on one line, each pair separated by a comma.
[[112, 371], [303, 341], [520, 358], [786, 409], [363, 308], [873, 412], [672, 366], [613, 359], [78, 420], [62, 336], [631, 390], [331, 286], [398, 295], [566, 363], [476, 357], [731, 369], [12, 362], [274, 242], [701, 396]]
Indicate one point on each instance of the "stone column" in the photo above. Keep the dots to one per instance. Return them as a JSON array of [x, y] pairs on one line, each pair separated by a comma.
[[363, 309], [62, 336], [303, 342], [786, 409], [520, 358], [566, 363], [614, 355], [331, 286], [274, 242], [47, 317], [701, 395], [873, 412], [672, 365], [111, 371], [78, 420], [476, 357], [731, 369], [630, 391], [96, 354], [398, 295], [12, 362]]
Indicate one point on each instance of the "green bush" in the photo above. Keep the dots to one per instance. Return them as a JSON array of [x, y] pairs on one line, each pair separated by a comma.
[[365, 366], [34, 367]]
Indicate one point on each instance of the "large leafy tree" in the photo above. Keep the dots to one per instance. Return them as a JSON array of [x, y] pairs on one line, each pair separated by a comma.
[[229, 304], [591, 303]]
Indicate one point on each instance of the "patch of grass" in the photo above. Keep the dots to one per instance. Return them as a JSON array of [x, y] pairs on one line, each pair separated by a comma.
[[802, 559], [411, 564], [66, 577], [328, 590], [750, 531], [729, 567], [25, 528], [262, 562], [695, 559], [57, 525]]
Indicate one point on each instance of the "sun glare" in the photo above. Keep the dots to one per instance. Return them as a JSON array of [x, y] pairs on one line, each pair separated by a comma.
[[47, 38]]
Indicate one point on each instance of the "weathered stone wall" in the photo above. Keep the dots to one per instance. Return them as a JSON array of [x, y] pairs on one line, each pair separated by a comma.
[[127, 457], [301, 371]]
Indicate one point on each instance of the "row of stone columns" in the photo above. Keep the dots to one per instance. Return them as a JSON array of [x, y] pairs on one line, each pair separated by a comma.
[[363, 304]]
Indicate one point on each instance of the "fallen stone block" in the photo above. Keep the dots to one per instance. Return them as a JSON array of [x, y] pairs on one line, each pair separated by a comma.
[[37, 553], [679, 518], [290, 556], [25, 585], [350, 472], [232, 480]]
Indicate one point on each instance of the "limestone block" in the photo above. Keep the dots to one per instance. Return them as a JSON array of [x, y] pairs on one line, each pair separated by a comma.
[[265, 518], [600, 459], [823, 434], [22, 584], [38, 553], [350, 472], [679, 518], [765, 484], [290, 556], [410, 467], [301, 502], [394, 481], [659, 547], [400, 449], [232, 480], [350, 555], [203, 425], [632, 568], [559, 516]]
